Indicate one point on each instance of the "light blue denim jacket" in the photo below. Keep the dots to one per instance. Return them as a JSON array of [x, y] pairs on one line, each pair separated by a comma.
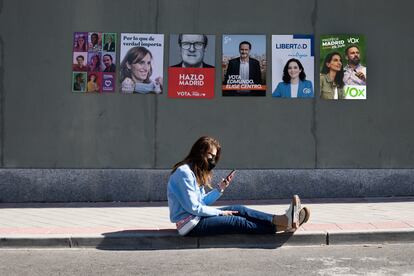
[[186, 197]]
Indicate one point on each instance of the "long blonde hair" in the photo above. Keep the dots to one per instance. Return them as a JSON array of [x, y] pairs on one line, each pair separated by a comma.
[[197, 159]]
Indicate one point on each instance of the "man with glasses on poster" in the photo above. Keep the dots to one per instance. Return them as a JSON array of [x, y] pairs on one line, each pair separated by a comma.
[[192, 48]]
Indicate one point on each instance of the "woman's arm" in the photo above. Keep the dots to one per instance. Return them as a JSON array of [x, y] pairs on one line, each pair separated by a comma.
[[278, 90], [211, 196], [189, 195]]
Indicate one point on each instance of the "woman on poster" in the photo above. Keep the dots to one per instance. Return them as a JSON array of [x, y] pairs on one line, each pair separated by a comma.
[[136, 70], [92, 83], [95, 63], [331, 78], [80, 43], [294, 83], [190, 208]]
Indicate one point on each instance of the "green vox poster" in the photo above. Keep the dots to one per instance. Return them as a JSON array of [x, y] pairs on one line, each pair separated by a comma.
[[343, 67]]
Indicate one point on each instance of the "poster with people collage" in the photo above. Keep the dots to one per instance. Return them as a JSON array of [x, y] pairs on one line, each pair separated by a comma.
[[139, 69], [94, 62]]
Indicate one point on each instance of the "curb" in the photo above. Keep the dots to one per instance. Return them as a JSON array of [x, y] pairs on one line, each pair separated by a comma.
[[371, 236], [168, 239]]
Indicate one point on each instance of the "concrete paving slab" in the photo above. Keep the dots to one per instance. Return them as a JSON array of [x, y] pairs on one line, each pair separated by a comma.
[[146, 225]]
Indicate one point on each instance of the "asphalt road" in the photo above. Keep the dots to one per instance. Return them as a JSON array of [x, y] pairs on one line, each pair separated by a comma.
[[322, 260]]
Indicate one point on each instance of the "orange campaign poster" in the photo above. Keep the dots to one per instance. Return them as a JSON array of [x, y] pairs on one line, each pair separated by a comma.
[[191, 72]]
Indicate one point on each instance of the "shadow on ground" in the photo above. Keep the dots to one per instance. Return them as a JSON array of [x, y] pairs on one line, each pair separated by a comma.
[[169, 239]]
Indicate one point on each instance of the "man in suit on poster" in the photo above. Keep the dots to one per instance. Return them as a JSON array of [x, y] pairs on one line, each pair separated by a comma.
[[246, 67], [109, 45]]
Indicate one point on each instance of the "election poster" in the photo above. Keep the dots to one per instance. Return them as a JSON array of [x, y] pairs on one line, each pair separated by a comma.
[[93, 60], [191, 68], [293, 66], [109, 42], [79, 82], [343, 67], [94, 82], [108, 82], [244, 65], [94, 42], [142, 59]]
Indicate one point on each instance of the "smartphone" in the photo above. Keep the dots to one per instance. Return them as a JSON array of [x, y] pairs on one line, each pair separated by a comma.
[[229, 177]]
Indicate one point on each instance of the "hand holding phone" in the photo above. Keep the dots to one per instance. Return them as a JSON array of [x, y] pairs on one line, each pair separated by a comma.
[[226, 181], [229, 177]]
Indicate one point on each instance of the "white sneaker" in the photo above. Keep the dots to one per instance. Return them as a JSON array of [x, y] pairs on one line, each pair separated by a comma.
[[292, 213]]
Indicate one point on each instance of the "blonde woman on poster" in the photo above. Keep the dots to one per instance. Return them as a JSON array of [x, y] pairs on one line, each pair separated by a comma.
[[136, 70], [332, 75], [294, 83]]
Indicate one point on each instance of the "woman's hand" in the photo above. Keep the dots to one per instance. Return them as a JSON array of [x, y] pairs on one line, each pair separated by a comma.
[[229, 213], [159, 81], [223, 184], [128, 85]]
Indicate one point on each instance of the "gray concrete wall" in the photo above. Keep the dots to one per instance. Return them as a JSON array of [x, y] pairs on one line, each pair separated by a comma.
[[69, 185], [45, 125]]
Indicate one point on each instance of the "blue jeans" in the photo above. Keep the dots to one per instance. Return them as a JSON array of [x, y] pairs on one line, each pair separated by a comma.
[[246, 221]]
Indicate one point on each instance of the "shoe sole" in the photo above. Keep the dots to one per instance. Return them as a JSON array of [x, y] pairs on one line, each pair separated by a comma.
[[306, 216]]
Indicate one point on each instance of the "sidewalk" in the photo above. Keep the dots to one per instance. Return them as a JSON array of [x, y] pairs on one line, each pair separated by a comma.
[[147, 226]]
